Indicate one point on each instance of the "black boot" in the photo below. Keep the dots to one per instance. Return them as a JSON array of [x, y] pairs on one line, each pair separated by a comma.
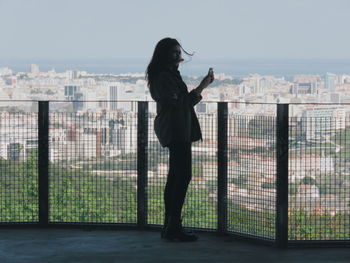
[[185, 230], [175, 232], [165, 224]]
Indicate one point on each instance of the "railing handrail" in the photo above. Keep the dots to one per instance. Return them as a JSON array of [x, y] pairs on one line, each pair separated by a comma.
[[202, 101]]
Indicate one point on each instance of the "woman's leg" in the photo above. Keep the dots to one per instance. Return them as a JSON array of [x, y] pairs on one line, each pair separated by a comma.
[[179, 177], [168, 194]]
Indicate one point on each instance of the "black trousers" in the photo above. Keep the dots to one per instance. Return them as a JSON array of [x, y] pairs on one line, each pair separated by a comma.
[[179, 177]]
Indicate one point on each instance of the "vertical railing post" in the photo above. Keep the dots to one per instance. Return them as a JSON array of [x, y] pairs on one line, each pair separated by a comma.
[[43, 162], [142, 158], [282, 123], [222, 167]]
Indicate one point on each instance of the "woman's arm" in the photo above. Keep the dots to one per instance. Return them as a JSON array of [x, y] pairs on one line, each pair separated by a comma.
[[207, 80], [195, 97]]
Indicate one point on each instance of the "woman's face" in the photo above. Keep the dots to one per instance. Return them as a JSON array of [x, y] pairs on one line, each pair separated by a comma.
[[175, 55]]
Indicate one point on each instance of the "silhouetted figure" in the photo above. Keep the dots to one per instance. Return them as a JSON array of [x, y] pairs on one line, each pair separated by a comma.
[[176, 127]]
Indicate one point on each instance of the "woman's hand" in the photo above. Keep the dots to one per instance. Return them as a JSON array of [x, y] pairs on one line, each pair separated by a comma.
[[207, 80]]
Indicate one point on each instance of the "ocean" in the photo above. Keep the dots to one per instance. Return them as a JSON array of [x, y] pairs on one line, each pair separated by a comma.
[[196, 67]]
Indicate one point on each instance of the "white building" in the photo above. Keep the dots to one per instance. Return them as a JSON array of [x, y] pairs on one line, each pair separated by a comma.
[[90, 145], [322, 120], [309, 165]]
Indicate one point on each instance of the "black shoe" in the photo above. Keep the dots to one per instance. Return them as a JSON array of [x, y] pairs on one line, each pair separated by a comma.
[[174, 231], [179, 235], [162, 233], [187, 231]]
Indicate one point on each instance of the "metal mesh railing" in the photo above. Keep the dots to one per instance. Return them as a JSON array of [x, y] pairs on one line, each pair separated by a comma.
[[92, 166], [200, 209], [319, 178], [252, 171], [18, 162], [158, 165]]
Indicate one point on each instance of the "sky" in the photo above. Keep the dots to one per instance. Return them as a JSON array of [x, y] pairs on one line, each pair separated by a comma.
[[246, 29]]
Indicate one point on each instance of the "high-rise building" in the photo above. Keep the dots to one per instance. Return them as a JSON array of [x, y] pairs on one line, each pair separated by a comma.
[[113, 97], [72, 74], [330, 81], [201, 107], [34, 69], [73, 93], [303, 88], [78, 101], [70, 90]]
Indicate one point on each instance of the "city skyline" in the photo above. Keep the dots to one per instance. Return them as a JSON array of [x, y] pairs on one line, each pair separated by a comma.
[[130, 29]]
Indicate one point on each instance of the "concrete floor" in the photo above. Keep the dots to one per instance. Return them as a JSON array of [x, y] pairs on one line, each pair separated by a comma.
[[105, 246]]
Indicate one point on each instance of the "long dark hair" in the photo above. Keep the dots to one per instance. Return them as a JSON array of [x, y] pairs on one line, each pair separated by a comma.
[[161, 58]]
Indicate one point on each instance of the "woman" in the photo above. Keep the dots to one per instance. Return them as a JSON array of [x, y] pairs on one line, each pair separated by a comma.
[[176, 127]]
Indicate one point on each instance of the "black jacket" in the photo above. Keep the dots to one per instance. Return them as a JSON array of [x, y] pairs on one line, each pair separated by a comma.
[[176, 120]]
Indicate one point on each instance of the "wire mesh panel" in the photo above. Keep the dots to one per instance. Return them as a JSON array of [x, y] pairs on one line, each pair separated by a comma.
[[252, 169], [158, 166], [200, 209], [319, 178], [200, 205], [19, 162], [93, 163]]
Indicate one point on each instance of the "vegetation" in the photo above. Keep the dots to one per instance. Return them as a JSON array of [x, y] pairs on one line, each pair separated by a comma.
[[342, 138], [262, 127], [304, 226]]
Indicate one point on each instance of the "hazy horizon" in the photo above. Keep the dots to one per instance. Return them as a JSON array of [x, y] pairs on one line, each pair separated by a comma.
[[195, 67]]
